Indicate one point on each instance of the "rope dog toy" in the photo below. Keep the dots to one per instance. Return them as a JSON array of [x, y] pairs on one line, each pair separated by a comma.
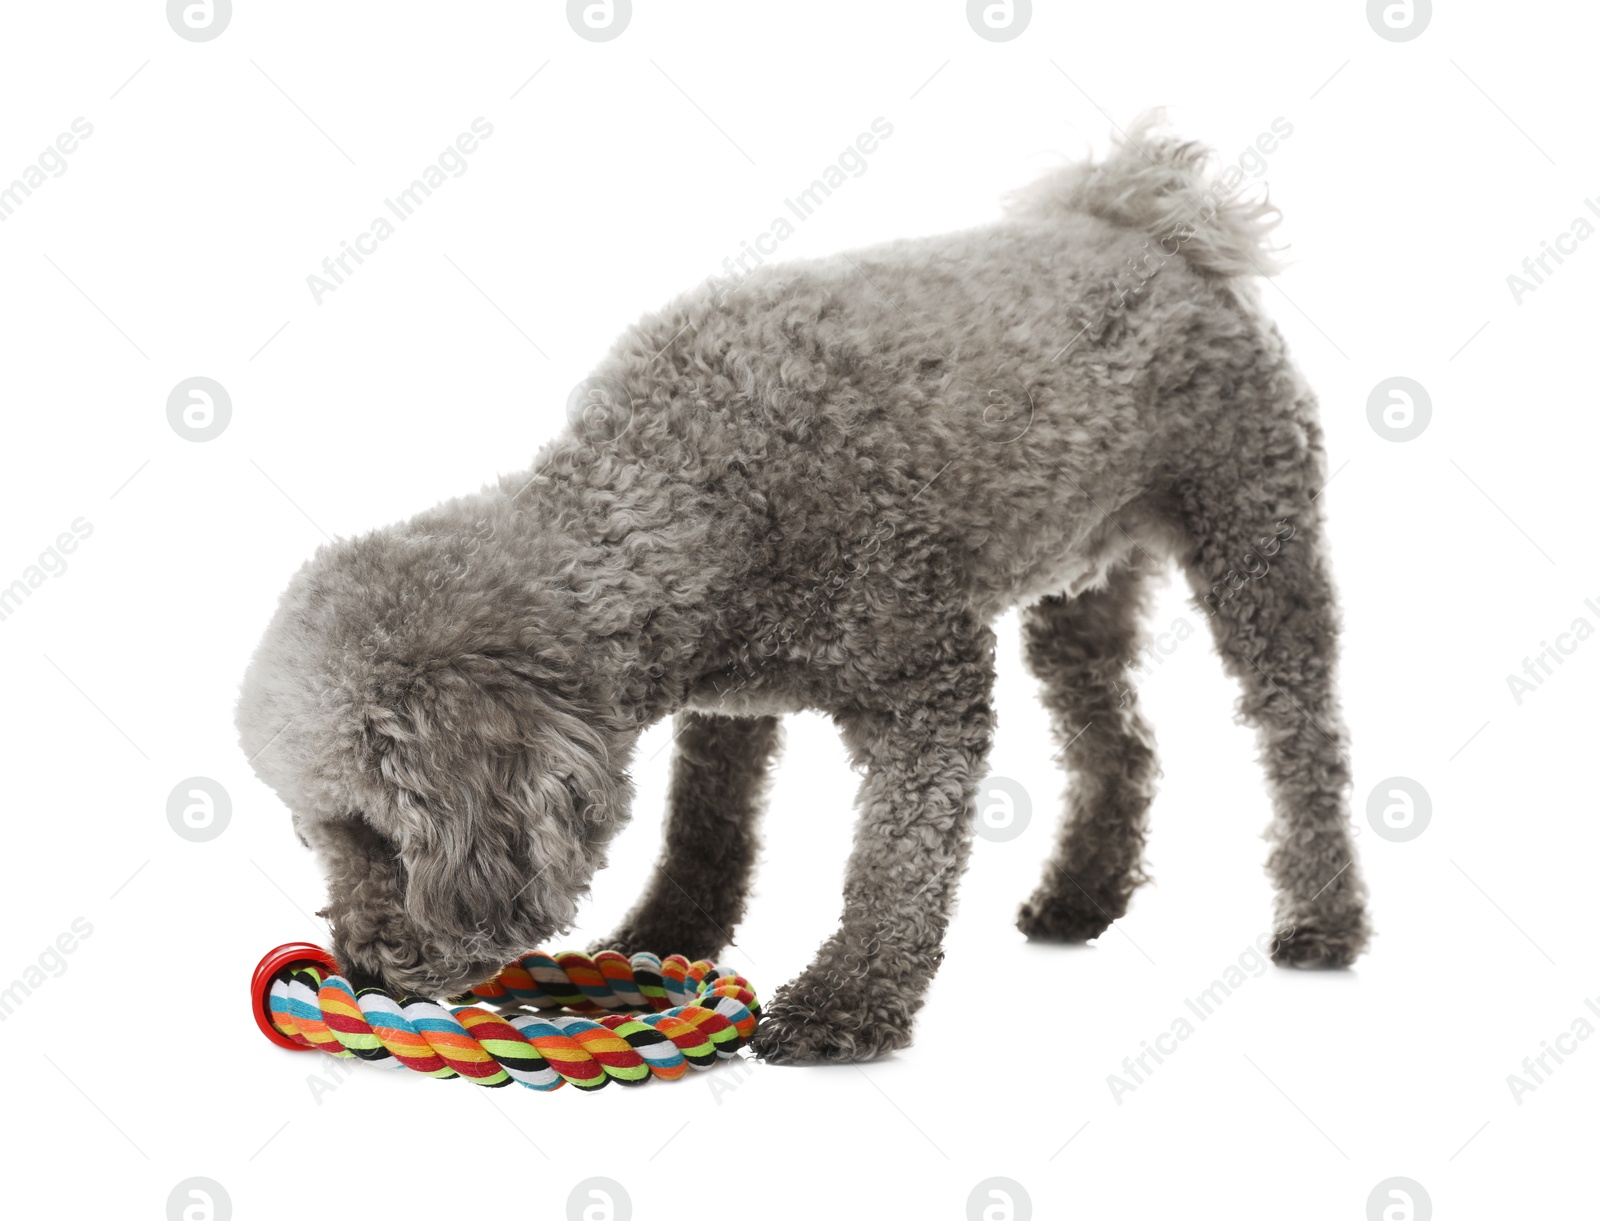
[[596, 1020]]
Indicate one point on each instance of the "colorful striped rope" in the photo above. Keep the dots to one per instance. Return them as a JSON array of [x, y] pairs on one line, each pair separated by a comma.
[[601, 1019]]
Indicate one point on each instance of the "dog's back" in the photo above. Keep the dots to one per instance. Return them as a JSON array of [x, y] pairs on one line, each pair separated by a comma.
[[1002, 391]]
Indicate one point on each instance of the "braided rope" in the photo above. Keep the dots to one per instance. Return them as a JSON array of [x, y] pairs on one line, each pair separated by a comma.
[[698, 1014]]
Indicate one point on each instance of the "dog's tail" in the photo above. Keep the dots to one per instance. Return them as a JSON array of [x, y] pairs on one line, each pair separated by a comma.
[[1158, 184]]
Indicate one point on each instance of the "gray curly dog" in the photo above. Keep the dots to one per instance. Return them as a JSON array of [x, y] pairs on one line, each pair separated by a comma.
[[817, 487]]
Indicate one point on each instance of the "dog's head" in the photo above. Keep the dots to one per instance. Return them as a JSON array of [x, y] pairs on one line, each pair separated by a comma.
[[426, 738]]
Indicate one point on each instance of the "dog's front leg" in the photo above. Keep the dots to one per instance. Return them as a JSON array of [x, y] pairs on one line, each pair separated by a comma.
[[923, 759], [697, 894]]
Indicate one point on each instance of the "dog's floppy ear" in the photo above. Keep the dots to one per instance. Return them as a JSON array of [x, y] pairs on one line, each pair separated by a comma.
[[501, 801]]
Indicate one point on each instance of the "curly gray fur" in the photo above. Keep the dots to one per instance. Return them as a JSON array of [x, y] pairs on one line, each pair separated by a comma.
[[817, 488]]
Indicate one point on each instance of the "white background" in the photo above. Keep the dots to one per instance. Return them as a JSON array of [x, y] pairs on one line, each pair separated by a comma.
[[178, 242]]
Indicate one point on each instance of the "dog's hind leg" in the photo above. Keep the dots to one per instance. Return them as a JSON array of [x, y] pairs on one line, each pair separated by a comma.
[[697, 893], [1257, 562], [1083, 651]]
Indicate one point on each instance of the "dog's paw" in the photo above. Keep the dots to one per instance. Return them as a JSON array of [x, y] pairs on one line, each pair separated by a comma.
[[812, 1025], [662, 939], [1075, 916], [1322, 943], [788, 1038]]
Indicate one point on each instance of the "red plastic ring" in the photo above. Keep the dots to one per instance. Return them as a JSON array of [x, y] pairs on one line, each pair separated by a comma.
[[292, 954]]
